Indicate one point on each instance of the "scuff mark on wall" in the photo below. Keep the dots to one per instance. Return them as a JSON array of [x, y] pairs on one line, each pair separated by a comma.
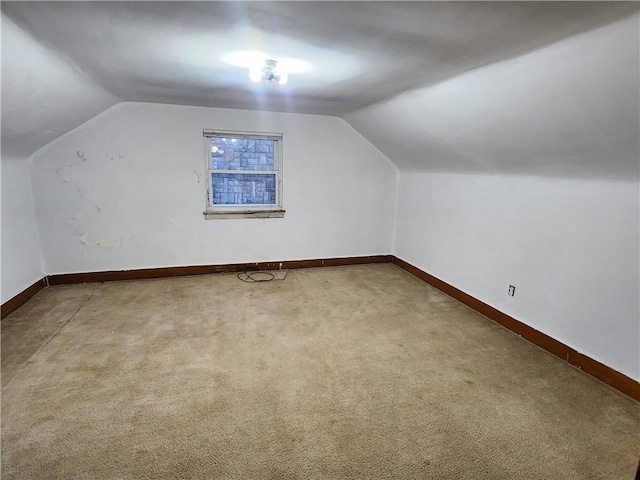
[[104, 243], [120, 156], [83, 238], [196, 175], [81, 193], [78, 188], [64, 180], [168, 218]]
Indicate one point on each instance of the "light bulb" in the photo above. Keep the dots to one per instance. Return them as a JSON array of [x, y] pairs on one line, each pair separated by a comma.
[[284, 78], [255, 74]]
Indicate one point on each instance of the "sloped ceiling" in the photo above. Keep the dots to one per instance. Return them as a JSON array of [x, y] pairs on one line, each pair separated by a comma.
[[359, 54], [43, 96], [569, 110]]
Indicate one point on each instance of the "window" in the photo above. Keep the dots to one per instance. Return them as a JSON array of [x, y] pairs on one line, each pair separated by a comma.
[[243, 174]]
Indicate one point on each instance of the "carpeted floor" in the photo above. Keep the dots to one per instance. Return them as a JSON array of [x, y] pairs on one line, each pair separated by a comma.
[[360, 372]]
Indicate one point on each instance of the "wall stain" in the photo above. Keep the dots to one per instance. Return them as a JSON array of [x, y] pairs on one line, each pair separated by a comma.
[[104, 243], [78, 188], [78, 221], [168, 218]]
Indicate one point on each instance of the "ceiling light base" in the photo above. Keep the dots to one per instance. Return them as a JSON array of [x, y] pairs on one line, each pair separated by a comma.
[[268, 74]]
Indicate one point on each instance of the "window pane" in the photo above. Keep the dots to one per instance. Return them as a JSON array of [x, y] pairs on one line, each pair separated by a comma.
[[241, 153], [243, 189]]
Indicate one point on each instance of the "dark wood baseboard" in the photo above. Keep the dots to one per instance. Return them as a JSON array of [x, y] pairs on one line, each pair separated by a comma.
[[144, 273], [206, 269], [20, 299], [594, 368], [598, 370]]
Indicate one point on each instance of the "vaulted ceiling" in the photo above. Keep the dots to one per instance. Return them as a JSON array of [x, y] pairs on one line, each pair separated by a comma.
[[571, 109], [63, 62]]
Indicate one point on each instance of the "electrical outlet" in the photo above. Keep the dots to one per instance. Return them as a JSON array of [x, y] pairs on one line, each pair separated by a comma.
[[512, 290]]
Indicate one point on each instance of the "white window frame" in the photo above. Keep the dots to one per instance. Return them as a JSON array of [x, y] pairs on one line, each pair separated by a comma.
[[244, 211]]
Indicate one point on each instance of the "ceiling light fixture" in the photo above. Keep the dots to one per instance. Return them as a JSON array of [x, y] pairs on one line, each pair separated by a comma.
[[268, 73]]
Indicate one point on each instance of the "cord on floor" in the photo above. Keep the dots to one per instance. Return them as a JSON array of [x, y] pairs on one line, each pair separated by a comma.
[[254, 276]]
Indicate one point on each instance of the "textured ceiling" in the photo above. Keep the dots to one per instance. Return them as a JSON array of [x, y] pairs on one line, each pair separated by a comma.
[[544, 88], [360, 52]]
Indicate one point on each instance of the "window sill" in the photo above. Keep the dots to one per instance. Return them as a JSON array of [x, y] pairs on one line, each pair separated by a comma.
[[244, 214]]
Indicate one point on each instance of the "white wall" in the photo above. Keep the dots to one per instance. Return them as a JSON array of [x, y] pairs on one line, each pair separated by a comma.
[[526, 172], [21, 255], [571, 248], [135, 197]]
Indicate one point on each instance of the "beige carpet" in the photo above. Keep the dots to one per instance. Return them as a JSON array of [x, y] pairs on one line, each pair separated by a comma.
[[360, 372]]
